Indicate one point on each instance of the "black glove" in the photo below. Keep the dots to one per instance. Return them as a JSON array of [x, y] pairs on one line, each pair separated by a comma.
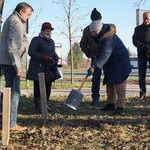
[[145, 47], [148, 53], [148, 50], [90, 71]]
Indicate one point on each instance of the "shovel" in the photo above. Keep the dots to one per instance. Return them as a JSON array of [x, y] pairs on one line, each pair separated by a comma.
[[74, 98]]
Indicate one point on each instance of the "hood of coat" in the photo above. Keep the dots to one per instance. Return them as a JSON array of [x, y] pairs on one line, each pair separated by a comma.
[[107, 31], [111, 31]]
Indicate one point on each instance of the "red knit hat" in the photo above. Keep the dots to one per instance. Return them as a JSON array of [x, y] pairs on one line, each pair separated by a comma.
[[47, 25]]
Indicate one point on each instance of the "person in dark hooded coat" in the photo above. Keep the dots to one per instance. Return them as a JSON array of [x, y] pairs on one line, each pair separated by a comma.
[[113, 56]]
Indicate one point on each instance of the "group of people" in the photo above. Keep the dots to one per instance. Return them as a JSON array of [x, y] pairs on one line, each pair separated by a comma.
[[107, 51], [110, 55], [99, 42]]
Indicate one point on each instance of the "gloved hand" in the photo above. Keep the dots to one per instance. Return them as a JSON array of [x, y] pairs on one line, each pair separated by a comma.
[[145, 47], [148, 50], [90, 71], [53, 59], [46, 58], [148, 53]]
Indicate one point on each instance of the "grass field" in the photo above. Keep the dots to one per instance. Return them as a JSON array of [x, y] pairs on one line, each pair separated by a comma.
[[84, 129], [87, 128]]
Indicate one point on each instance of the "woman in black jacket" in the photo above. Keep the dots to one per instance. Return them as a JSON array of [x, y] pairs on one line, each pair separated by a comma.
[[42, 53]]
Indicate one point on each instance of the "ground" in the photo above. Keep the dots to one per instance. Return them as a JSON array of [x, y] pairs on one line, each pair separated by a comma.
[[86, 128]]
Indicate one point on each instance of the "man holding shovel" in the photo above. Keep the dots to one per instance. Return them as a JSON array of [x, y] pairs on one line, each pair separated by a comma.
[[113, 56]]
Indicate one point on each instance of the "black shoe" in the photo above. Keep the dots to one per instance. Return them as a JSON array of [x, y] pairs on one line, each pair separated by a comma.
[[95, 101], [118, 111], [108, 107], [142, 97]]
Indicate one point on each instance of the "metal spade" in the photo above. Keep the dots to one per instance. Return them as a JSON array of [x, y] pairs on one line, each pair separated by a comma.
[[74, 98]]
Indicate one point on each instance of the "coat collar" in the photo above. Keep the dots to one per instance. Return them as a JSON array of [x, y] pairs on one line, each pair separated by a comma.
[[107, 31], [19, 16]]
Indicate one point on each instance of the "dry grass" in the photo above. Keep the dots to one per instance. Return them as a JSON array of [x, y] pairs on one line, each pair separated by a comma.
[[84, 129]]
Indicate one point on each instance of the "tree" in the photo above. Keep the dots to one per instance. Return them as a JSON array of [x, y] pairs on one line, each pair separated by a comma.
[[70, 29], [138, 3], [77, 56], [1, 6], [130, 54]]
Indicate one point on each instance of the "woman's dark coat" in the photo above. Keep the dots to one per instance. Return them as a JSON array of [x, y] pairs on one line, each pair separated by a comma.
[[113, 56], [38, 48]]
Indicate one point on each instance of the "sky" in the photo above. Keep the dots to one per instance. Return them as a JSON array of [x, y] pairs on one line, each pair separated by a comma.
[[122, 13]]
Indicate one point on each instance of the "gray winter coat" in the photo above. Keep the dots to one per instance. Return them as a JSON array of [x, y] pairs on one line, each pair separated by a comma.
[[14, 43]]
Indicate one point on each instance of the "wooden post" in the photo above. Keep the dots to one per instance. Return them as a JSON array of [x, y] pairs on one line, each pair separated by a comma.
[[43, 95], [1, 83], [1, 87], [6, 116]]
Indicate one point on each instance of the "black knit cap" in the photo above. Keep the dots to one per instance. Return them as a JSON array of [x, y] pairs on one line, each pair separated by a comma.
[[95, 15]]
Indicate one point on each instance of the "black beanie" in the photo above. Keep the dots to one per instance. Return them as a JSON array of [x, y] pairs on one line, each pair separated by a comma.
[[95, 15]]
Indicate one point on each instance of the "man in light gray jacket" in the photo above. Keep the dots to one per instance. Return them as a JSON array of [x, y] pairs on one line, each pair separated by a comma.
[[13, 55]]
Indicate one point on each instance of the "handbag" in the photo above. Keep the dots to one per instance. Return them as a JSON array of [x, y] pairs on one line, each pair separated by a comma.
[[52, 73]]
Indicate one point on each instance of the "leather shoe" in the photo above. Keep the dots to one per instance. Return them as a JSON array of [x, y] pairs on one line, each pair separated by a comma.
[[108, 107], [95, 101], [142, 97], [18, 128], [118, 111]]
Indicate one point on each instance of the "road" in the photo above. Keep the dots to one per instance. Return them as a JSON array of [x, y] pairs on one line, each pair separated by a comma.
[[131, 89], [133, 74]]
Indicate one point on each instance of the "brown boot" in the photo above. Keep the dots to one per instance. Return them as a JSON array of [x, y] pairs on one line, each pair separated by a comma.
[[37, 105], [18, 128]]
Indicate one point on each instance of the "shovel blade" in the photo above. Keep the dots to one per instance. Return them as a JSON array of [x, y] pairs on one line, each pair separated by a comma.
[[74, 99]]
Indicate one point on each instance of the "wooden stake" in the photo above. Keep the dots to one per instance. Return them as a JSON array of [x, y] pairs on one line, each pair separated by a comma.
[[43, 95], [6, 116]]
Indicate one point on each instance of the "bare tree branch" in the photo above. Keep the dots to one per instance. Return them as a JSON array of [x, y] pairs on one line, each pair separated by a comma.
[[138, 3], [70, 21]]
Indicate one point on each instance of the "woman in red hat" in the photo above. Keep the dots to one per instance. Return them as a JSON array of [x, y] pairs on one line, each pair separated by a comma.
[[42, 53]]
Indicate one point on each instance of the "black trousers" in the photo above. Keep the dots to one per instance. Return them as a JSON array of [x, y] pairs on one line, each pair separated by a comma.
[[37, 89]]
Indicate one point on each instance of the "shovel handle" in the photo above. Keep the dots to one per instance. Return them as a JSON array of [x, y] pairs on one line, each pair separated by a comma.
[[82, 84]]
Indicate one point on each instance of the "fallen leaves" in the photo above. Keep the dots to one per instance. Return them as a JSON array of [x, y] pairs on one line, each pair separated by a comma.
[[87, 128]]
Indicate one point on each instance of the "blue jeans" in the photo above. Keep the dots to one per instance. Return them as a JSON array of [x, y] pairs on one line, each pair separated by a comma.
[[96, 83], [12, 81], [142, 67]]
